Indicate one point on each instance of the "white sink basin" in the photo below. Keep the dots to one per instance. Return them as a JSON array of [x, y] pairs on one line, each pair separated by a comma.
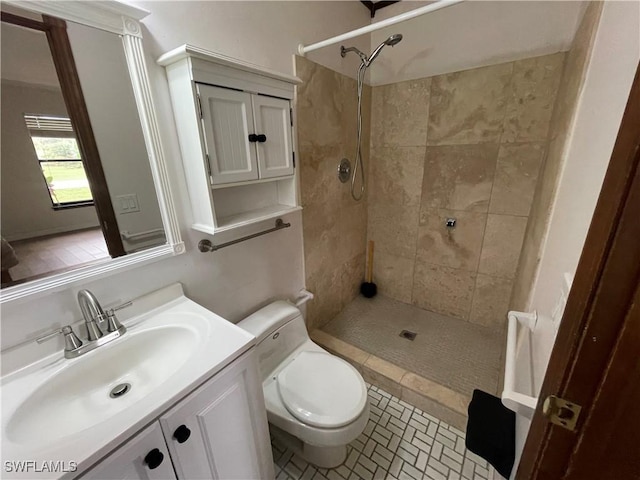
[[59, 409], [77, 397]]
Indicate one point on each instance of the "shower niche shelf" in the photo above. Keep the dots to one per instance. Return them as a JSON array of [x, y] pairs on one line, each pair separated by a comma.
[[234, 122]]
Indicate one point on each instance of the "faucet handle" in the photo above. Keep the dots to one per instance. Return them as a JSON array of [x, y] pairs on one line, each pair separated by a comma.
[[113, 324], [71, 340]]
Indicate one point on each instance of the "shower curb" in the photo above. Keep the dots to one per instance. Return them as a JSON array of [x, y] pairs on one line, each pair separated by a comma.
[[427, 395]]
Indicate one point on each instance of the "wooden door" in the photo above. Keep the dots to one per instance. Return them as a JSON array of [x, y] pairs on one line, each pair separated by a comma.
[[227, 118], [128, 461], [272, 118], [595, 361], [220, 431]]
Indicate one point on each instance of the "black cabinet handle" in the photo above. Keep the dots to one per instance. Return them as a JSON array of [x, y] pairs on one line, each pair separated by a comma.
[[253, 137], [154, 458], [262, 138], [182, 434]]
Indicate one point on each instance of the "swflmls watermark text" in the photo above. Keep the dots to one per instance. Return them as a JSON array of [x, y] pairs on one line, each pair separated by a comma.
[[36, 466]]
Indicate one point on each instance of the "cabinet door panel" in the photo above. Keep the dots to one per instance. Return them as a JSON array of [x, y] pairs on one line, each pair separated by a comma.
[[227, 118], [228, 434], [273, 119], [127, 462]]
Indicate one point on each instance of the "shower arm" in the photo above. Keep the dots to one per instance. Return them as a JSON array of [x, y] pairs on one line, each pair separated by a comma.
[[344, 51]]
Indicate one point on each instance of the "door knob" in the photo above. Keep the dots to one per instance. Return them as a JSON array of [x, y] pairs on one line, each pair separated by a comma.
[[253, 137], [262, 138]]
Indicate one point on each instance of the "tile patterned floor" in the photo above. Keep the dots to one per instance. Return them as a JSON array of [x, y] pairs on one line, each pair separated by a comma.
[[400, 442]]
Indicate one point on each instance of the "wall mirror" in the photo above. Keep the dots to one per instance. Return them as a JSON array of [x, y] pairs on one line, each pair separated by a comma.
[[84, 183]]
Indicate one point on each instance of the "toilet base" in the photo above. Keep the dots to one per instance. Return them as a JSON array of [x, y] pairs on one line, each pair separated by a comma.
[[323, 457]]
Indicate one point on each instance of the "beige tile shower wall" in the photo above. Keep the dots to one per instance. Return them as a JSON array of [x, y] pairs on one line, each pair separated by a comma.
[[469, 146], [334, 225], [572, 81]]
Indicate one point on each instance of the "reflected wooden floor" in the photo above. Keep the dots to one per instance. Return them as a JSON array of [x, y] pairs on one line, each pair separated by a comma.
[[57, 253]]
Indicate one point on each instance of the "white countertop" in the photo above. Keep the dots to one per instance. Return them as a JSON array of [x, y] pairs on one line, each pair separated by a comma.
[[219, 343]]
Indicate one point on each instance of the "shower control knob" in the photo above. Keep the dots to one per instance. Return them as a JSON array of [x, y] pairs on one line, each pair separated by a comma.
[[262, 138], [182, 434], [344, 170]]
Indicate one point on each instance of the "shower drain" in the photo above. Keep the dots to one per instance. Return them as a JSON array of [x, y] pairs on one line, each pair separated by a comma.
[[120, 390], [408, 335]]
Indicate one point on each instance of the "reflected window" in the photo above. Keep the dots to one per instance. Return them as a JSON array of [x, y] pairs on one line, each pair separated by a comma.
[[60, 161]]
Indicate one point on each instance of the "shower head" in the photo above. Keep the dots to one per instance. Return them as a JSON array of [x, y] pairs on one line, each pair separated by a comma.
[[392, 40]]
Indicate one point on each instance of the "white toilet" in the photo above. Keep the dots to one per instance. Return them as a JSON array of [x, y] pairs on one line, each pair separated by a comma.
[[316, 401]]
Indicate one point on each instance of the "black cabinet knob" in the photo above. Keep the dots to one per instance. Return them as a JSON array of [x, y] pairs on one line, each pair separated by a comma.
[[262, 138], [253, 137], [154, 458], [182, 434]]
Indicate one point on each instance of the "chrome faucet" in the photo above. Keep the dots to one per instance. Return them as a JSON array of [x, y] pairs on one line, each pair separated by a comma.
[[93, 315]]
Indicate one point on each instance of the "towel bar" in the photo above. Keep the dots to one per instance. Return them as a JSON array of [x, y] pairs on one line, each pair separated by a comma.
[[206, 246], [519, 402], [128, 236]]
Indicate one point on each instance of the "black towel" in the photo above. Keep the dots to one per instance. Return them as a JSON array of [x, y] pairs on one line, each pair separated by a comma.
[[491, 431]]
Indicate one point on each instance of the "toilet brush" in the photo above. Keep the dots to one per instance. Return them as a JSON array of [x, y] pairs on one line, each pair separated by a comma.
[[368, 288]]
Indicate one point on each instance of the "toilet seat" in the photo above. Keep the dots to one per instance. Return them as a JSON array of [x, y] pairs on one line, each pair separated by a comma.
[[322, 390]]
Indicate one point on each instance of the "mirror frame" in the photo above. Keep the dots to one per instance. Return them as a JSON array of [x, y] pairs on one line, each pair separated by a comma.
[[123, 20]]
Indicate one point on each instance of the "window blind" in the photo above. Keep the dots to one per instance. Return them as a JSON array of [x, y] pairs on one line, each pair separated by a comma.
[[48, 123]]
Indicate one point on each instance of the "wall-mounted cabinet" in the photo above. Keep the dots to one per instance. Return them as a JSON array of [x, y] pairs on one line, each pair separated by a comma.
[[235, 127]]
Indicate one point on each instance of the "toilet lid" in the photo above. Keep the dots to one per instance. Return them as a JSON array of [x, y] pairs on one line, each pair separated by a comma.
[[322, 390]]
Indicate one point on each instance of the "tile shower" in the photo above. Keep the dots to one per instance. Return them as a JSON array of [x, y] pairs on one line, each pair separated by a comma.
[[468, 146], [481, 146], [334, 225]]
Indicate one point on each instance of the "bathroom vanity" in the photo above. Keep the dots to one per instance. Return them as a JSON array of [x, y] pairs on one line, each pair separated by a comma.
[[177, 396], [214, 432]]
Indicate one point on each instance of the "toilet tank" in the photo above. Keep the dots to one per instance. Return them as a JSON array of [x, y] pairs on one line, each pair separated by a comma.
[[279, 328]]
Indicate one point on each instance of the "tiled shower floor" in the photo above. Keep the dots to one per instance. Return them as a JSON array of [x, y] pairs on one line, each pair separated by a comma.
[[454, 353], [399, 442]]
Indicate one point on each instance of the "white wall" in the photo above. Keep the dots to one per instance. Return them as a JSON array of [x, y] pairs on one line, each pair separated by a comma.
[[265, 33], [614, 59], [26, 206], [234, 281], [107, 90], [471, 34], [30, 85], [26, 56], [613, 64]]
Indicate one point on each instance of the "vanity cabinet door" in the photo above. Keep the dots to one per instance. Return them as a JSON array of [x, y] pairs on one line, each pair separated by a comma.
[[227, 118], [220, 431], [143, 457], [273, 124]]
